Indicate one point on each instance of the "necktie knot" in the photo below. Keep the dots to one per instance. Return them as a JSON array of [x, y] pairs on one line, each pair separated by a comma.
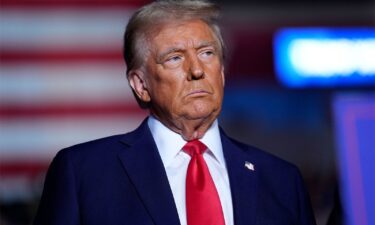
[[194, 147]]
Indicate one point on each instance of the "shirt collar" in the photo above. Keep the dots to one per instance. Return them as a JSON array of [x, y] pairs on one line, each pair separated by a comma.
[[213, 142], [170, 143]]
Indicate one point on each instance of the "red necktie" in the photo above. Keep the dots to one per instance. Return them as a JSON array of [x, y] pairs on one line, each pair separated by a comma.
[[202, 200]]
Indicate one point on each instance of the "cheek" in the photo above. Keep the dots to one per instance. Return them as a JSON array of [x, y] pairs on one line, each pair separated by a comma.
[[166, 90], [218, 81], [219, 90]]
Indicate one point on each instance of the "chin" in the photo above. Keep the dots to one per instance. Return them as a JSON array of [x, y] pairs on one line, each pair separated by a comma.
[[200, 110], [201, 114]]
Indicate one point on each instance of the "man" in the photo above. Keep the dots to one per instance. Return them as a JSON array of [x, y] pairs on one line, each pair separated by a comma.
[[178, 167]]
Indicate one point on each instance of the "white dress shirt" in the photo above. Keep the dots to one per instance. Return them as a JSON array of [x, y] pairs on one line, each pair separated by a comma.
[[176, 162]]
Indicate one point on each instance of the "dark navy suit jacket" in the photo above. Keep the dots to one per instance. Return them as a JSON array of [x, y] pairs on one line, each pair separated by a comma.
[[120, 180]]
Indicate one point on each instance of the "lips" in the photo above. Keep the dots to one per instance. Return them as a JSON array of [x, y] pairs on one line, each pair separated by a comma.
[[197, 93]]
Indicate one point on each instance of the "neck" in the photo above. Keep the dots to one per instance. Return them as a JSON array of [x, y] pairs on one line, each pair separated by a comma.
[[189, 129], [193, 129]]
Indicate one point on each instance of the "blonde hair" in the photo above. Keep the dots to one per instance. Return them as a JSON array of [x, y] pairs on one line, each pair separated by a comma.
[[152, 16]]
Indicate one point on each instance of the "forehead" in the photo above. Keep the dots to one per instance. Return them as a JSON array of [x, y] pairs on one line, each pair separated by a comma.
[[182, 35]]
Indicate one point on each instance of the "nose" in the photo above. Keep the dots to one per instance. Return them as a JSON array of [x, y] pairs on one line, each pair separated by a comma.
[[196, 70]]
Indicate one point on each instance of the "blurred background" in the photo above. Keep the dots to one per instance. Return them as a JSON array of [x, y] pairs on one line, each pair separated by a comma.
[[62, 82]]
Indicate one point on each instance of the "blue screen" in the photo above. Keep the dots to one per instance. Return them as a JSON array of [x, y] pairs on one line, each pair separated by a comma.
[[325, 57]]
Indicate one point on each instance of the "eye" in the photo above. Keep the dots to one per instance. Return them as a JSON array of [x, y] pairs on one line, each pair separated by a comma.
[[207, 54], [173, 61], [175, 58]]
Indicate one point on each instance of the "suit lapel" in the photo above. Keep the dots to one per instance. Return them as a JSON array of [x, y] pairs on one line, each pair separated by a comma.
[[243, 181], [144, 167]]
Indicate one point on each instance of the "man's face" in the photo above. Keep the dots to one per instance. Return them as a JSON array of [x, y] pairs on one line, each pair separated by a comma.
[[183, 77]]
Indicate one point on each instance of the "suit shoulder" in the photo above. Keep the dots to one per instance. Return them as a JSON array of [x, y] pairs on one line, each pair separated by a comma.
[[100, 146], [264, 157], [103, 150], [110, 140]]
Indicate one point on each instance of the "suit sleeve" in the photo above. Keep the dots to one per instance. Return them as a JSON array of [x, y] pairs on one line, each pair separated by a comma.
[[59, 204], [306, 215]]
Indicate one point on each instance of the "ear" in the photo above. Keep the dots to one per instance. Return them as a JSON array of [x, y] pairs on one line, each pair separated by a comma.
[[138, 84]]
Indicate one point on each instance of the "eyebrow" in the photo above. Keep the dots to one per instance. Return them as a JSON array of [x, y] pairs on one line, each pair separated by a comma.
[[204, 44], [170, 50]]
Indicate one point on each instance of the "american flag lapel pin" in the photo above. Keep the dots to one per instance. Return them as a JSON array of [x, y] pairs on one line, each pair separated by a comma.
[[249, 166]]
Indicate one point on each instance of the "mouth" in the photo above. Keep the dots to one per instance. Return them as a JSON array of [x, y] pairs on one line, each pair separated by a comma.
[[198, 93]]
